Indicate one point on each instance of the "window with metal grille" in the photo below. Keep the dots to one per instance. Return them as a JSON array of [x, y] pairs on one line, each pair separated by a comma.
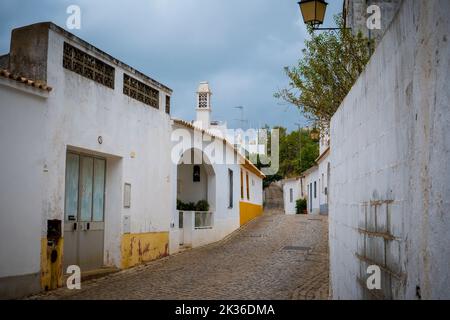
[[140, 91], [203, 100], [88, 66], [168, 104]]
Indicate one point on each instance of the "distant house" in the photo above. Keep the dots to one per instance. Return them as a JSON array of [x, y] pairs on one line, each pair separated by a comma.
[[323, 167], [316, 179], [293, 190]]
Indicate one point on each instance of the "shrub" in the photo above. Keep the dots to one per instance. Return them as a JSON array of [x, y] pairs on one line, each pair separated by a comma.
[[202, 205], [185, 206], [301, 206]]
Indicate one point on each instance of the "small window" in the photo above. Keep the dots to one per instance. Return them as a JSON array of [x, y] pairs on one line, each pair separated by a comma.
[[291, 195], [168, 104], [315, 189], [127, 196], [248, 187], [301, 187], [242, 184], [230, 188], [196, 174]]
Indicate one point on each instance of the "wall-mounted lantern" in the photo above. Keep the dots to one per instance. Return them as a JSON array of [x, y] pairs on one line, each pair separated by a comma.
[[196, 174], [313, 12]]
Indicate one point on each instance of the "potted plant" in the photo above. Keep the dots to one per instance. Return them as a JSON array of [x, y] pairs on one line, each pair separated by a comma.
[[181, 206], [301, 206], [202, 205]]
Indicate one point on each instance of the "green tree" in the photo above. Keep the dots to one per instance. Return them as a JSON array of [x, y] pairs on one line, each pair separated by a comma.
[[298, 153], [332, 61]]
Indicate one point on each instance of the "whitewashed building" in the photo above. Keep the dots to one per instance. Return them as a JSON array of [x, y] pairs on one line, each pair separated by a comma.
[[316, 179], [293, 190], [209, 168], [83, 155], [86, 175]]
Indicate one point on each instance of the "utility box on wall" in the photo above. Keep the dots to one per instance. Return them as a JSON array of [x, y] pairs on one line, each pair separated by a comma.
[[51, 262]]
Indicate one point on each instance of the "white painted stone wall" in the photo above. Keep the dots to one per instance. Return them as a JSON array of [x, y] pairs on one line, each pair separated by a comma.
[[391, 160]]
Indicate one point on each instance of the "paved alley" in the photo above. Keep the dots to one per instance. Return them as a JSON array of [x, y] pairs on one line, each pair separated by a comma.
[[273, 257]]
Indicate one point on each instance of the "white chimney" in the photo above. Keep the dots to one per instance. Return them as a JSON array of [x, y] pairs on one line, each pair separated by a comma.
[[203, 105]]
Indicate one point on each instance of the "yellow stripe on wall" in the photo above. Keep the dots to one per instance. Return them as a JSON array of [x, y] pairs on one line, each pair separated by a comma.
[[51, 272], [249, 211], [139, 248]]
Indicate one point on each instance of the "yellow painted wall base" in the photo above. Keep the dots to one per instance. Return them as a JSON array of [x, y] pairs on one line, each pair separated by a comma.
[[51, 272], [143, 247], [249, 211]]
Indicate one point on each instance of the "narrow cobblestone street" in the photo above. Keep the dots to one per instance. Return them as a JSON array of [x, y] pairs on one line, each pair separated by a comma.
[[273, 257]]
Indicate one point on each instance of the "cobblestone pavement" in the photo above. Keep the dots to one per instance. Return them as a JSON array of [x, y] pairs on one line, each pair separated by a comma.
[[273, 257]]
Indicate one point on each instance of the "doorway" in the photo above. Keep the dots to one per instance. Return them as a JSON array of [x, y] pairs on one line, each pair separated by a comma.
[[84, 222]]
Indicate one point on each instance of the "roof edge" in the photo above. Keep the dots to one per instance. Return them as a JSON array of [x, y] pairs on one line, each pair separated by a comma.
[[247, 162], [54, 27]]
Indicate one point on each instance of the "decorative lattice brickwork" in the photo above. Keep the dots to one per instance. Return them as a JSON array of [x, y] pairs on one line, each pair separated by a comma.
[[140, 91], [88, 66], [203, 100]]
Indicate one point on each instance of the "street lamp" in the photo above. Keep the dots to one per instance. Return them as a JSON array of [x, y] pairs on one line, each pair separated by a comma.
[[313, 12]]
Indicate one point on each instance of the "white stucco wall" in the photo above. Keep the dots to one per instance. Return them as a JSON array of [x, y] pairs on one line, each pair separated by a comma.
[[311, 177], [22, 158], [323, 183], [187, 189], [254, 188], [390, 159]]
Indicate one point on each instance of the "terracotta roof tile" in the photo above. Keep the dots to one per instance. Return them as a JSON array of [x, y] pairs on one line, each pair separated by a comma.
[[36, 84]]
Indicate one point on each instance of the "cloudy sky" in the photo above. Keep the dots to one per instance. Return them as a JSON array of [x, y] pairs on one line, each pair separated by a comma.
[[239, 46]]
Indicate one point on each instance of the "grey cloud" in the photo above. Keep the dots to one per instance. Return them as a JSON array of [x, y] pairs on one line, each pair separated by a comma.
[[240, 46]]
